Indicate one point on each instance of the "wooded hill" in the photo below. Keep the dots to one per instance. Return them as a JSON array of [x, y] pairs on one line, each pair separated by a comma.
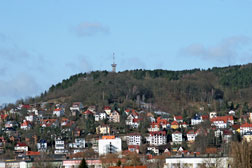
[[176, 92]]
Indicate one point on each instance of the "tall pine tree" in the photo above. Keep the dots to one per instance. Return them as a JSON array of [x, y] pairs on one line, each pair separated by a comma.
[[83, 164]]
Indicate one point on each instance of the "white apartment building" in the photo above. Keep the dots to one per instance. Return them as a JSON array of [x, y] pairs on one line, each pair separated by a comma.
[[177, 137], [109, 144], [134, 139], [59, 144], [157, 138]]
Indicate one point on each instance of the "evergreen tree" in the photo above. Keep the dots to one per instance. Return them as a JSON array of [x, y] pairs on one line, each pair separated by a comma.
[[83, 164]]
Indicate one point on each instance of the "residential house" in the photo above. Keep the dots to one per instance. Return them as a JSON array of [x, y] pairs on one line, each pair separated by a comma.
[[244, 128], [191, 136], [60, 146], [250, 117], [133, 116], [154, 127], [49, 123], [134, 139], [136, 123], [42, 145], [59, 112], [134, 148], [76, 108], [163, 123], [33, 110], [100, 116], [64, 121], [30, 118], [227, 136], [78, 145], [153, 149], [218, 133], [157, 138], [196, 120], [21, 147], [88, 113], [174, 125], [114, 117], [212, 115], [26, 125], [127, 111], [179, 119], [222, 121], [177, 137], [11, 124], [183, 125], [247, 137], [92, 109], [231, 112], [103, 129], [107, 110]]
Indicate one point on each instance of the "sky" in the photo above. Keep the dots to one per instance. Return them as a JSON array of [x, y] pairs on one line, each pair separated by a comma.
[[44, 42]]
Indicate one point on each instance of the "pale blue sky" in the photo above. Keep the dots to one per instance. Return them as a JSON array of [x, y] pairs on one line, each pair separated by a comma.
[[43, 42]]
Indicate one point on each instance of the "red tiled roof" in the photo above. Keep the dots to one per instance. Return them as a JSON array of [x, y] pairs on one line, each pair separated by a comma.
[[127, 110], [158, 132], [236, 126], [32, 153], [225, 119], [107, 108], [178, 117], [134, 146], [191, 132], [162, 121], [134, 113], [153, 125], [21, 144], [246, 125], [88, 112], [176, 132], [25, 123], [136, 120], [205, 117], [174, 123]]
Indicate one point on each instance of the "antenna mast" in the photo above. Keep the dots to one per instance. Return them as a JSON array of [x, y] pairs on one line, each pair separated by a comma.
[[114, 64]]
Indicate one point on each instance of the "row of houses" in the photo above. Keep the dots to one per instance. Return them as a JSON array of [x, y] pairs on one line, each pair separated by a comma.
[[163, 132]]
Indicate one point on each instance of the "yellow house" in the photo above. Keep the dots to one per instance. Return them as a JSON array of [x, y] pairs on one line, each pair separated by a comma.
[[174, 125], [247, 137], [103, 129]]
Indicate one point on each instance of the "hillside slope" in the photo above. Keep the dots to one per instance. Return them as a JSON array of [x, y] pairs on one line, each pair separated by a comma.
[[171, 91]]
